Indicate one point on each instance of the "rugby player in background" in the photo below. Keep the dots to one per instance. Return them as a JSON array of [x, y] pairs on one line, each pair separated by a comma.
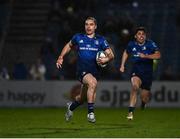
[[142, 52]]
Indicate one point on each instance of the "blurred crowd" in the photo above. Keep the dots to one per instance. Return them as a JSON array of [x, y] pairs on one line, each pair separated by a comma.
[[67, 18]]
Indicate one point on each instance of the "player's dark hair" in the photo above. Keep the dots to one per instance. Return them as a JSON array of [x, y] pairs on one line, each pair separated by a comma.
[[92, 18], [141, 28]]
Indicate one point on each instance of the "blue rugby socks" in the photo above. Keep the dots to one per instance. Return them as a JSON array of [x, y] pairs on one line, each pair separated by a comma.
[[74, 105], [90, 107], [131, 109]]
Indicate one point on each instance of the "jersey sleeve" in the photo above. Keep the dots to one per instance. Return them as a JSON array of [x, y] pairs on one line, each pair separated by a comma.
[[74, 40], [154, 46], [105, 44], [128, 48]]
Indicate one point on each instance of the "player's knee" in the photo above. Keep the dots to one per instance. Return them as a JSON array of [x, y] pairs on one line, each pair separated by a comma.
[[92, 84], [135, 87], [79, 99], [145, 99]]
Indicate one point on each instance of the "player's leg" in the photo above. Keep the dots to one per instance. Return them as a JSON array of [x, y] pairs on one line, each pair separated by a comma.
[[79, 99], [146, 87], [145, 97], [91, 83], [82, 95], [136, 83]]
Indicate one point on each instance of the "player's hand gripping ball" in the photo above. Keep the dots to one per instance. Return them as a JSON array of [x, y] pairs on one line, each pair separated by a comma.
[[101, 54]]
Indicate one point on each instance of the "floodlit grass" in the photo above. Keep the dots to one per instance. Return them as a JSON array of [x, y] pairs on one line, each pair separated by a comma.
[[49, 122]]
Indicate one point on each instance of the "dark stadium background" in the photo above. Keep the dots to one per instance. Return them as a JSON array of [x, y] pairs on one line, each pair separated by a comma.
[[33, 33], [35, 29]]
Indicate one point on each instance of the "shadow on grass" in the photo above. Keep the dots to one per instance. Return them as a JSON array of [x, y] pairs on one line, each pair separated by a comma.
[[50, 131]]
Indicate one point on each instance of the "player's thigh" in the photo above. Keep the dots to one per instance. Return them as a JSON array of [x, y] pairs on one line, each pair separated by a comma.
[[89, 80], [136, 81]]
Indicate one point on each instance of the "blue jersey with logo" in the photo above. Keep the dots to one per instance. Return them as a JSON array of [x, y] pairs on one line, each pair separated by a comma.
[[142, 67], [134, 49], [149, 47], [87, 49]]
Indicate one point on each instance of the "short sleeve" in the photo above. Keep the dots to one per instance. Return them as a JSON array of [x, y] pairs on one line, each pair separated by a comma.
[[128, 48], [105, 44], [154, 47], [74, 39]]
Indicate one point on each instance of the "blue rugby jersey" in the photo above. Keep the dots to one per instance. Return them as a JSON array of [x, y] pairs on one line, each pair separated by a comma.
[[87, 49], [149, 47], [143, 68]]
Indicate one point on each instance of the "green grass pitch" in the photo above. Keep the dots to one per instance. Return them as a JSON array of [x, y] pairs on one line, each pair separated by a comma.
[[49, 122]]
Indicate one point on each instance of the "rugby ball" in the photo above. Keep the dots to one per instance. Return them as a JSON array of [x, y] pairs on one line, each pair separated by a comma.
[[101, 54]]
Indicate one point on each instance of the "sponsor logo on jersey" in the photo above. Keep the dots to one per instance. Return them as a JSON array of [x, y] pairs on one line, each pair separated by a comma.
[[88, 45], [96, 42], [88, 48], [144, 48], [105, 43], [81, 41], [134, 49]]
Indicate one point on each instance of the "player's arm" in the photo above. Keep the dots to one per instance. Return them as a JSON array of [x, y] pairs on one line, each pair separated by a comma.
[[64, 51], [109, 56], [123, 61], [156, 55]]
